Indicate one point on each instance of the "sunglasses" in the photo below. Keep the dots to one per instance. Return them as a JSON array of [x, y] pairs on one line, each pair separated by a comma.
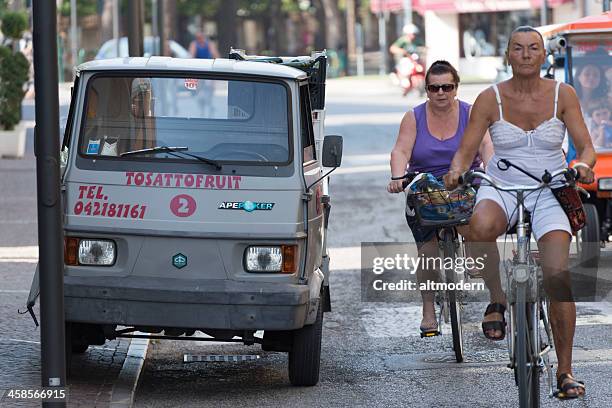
[[433, 88]]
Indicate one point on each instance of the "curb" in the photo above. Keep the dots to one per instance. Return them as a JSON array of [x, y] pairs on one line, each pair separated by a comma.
[[122, 395]]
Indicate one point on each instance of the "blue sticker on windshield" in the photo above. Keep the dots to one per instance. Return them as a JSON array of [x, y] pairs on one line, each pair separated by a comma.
[[93, 146]]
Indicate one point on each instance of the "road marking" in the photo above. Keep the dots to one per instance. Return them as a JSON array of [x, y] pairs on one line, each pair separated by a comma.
[[122, 395], [377, 118], [364, 169], [345, 258], [19, 254], [19, 251], [19, 260], [19, 341], [14, 291], [18, 222]]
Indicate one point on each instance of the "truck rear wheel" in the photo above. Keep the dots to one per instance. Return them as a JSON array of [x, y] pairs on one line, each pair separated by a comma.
[[305, 354]]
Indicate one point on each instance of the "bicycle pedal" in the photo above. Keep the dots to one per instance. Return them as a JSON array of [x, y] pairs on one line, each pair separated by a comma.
[[431, 333]]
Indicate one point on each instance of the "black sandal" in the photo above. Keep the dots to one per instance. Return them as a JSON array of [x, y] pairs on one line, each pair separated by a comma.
[[497, 324], [430, 331], [562, 389]]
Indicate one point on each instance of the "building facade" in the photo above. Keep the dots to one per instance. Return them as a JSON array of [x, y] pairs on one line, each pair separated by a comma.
[[472, 34]]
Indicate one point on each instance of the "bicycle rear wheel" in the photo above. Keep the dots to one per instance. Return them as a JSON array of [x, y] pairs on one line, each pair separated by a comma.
[[454, 302], [525, 360]]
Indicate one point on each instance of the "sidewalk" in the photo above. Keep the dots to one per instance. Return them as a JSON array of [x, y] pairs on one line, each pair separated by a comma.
[[95, 372]]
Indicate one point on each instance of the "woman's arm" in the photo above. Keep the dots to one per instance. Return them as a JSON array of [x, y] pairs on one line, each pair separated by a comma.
[[192, 49], [486, 150], [480, 119], [213, 49], [572, 117], [400, 155]]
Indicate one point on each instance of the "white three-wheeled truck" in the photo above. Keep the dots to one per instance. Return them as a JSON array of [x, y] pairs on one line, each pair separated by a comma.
[[195, 199]]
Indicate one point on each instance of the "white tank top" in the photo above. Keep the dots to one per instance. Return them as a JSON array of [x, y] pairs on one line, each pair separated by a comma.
[[533, 150]]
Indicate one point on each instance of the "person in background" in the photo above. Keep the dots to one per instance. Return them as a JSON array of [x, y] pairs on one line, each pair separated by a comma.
[[590, 84], [600, 124], [202, 47], [405, 45]]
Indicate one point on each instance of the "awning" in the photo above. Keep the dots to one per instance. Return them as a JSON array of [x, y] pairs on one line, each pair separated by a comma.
[[586, 24], [462, 6]]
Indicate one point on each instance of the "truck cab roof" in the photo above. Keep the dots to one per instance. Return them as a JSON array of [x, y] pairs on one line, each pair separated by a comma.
[[219, 65]]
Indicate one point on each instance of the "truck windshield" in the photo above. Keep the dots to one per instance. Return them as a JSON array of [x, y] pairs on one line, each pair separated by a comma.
[[220, 120]]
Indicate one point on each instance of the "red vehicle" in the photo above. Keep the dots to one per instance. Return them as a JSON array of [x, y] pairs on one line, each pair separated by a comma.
[[584, 49], [410, 74]]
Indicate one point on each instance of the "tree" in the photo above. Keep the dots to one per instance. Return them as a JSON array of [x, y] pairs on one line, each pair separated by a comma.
[[333, 23], [226, 26], [107, 21], [14, 68]]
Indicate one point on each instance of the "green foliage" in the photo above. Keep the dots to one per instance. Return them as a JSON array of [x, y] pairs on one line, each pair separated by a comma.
[[13, 74], [84, 8], [207, 9], [14, 24]]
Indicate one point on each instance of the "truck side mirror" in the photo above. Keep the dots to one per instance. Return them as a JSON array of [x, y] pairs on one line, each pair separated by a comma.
[[332, 151]]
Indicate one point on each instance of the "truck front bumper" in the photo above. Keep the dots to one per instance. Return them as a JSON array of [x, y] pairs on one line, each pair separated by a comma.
[[202, 304]]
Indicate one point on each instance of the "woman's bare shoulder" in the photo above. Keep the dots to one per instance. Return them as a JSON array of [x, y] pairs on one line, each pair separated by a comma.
[[486, 101], [409, 118]]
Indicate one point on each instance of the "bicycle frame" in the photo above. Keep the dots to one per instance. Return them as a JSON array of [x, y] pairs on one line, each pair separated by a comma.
[[523, 270]]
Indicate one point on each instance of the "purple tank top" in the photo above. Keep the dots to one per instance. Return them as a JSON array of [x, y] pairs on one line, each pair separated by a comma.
[[432, 155]]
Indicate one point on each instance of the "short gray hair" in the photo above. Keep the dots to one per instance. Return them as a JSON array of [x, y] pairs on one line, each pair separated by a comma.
[[523, 29]]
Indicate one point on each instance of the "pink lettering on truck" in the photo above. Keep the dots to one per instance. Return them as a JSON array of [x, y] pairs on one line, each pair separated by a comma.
[[180, 180]]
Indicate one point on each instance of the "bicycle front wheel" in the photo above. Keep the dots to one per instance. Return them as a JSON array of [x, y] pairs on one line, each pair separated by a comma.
[[454, 302], [525, 359]]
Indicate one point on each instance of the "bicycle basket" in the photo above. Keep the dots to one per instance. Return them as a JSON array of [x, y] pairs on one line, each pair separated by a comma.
[[442, 207]]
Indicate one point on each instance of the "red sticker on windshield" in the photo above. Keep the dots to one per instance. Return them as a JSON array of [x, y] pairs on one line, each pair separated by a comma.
[[183, 205], [191, 84]]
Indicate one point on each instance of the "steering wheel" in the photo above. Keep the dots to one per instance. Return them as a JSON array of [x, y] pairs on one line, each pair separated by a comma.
[[239, 153]]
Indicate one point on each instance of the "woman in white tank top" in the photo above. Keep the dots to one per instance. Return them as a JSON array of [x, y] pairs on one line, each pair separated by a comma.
[[527, 117]]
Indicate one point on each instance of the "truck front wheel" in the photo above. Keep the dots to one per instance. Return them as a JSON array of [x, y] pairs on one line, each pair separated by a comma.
[[305, 354]]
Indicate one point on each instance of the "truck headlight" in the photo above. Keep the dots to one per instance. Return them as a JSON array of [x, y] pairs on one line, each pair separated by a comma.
[[278, 258], [96, 252], [604, 184]]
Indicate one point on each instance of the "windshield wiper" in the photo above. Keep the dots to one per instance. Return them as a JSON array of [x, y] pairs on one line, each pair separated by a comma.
[[155, 149], [172, 150]]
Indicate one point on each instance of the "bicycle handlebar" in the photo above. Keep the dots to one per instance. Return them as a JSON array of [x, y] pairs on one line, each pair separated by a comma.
[[409, 178], [569, 173]]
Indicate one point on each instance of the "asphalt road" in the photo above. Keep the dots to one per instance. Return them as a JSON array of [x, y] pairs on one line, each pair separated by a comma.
[[372, 354]]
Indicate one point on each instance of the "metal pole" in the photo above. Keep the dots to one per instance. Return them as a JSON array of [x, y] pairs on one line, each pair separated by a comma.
[[359, 47], [50, 234], [74, 49], [135, 45], [161, 17], [407, 12], [382, 42], [116, 24], [154, 25], [543, 13]]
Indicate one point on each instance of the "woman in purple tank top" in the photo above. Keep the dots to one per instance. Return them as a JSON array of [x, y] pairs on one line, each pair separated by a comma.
[[428, 138]]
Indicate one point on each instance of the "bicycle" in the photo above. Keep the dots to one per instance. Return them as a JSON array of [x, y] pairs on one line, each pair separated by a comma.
[[450, 245], [530, 335]]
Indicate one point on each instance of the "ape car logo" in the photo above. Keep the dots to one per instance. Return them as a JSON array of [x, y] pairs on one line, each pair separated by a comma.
[[179, 261]]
